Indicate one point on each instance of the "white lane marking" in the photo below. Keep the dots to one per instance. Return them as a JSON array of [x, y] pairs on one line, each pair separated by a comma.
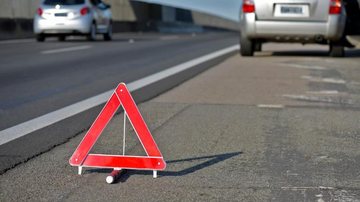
[[324, 80], [303, 97], [165, 38], [305, 188], [309, 67], [319, 99], [179, 68], [17, 41], [270, 106], [43, 121], [289, 173], [324, 92], [61, 50]]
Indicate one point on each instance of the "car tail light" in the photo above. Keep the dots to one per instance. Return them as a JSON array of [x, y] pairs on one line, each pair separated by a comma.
[[39, 11], [335, 7], [248, 6], [84, 11]]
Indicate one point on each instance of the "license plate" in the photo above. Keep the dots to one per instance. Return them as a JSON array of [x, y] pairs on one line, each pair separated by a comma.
[[60, 14], [294, 10], [288, 10]]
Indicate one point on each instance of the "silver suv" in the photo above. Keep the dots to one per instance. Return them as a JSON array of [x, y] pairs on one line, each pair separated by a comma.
[[73, 17], [301, 21]]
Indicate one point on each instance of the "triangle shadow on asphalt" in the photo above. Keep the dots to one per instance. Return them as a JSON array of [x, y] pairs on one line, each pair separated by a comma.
[[212, 160]]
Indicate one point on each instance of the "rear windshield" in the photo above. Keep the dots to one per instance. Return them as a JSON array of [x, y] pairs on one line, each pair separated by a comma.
[[64, 2]]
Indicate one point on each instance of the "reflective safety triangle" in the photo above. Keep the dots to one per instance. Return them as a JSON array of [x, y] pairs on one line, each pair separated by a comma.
[[154, 159]]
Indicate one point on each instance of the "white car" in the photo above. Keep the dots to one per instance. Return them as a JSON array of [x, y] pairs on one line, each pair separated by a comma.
[[296, 21], [61, 18]]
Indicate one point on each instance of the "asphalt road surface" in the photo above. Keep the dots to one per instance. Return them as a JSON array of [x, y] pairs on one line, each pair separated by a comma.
[[37, 78], [52, 91], [280, 126]]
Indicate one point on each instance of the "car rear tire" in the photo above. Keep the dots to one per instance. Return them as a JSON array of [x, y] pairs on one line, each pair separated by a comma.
[[108, 35], [40, 38], [247, 46], [92, 34], [336, 50]]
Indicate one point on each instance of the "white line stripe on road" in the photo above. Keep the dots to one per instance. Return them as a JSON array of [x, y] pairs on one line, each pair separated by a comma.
[[43, 121], [165, 38], [320, 99], [309, 67], [324, 92], [270, 106], [324, 80], [305, 188], [61, 50], [15, 41]]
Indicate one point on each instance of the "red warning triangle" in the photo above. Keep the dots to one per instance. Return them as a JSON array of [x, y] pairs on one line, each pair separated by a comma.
[[154, 159]]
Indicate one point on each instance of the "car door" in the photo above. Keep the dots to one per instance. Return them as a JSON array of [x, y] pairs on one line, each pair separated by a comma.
[[292, 10]]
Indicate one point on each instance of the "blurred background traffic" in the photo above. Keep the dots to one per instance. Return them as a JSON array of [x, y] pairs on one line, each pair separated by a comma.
[[16, 16], [23, 19]]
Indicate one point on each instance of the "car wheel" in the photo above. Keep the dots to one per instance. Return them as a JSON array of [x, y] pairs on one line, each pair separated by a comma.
[[246, 46], [61, 38], [92, 35], [258, 46], [40, 37], [108, 35], [336, 50]]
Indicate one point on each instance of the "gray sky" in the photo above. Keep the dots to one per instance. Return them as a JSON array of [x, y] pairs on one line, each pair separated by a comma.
[[225, 8]]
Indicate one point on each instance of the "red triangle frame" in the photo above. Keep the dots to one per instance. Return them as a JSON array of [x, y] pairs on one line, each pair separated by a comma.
[[154, 159]]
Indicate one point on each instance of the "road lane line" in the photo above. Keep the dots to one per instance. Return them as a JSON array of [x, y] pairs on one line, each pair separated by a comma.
[[305, 188], [270, 106], [309, 67], [324, 80], [15, 41], [173, 37], [61, 50], [43, 121], [324, 92], [319, 99]]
